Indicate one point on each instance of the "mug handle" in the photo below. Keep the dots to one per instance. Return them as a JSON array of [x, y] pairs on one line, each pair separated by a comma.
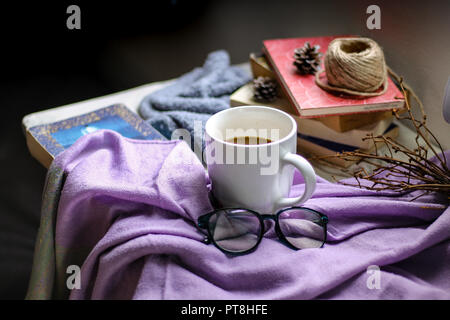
[[309, 175]]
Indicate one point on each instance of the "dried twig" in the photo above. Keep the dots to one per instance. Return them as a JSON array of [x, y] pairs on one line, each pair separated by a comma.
[[413, 170]]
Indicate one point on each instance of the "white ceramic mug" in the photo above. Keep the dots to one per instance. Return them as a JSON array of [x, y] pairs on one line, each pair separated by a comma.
[[257, 176]]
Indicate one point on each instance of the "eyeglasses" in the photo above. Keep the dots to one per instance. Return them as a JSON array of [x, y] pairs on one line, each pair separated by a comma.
[[238, 231]]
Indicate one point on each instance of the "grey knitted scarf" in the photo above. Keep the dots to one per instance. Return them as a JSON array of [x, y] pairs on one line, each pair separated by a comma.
[[194, 96]]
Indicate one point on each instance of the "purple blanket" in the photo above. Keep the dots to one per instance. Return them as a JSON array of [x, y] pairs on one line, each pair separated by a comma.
[[124, 210]]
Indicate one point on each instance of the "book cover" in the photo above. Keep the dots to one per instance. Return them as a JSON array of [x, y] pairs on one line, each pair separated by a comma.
[[338, 123], [46, 141], [259, 66], [307, 97]]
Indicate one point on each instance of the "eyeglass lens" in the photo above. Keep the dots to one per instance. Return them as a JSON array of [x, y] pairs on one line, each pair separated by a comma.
[[235, 230], [302, 228]]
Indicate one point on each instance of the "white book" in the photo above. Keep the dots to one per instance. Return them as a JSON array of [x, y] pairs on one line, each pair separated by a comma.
[[312, 127]]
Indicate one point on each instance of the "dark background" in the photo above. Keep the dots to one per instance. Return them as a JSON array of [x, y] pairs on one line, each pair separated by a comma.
[[123, 44]]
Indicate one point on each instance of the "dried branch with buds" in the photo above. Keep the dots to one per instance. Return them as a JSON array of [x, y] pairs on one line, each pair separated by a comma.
[[398, 167]]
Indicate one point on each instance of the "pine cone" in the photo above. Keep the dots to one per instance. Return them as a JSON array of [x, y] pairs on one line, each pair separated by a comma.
[[265, 89], [307, 59]]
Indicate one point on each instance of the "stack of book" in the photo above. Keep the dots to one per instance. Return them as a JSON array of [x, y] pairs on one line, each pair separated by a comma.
[[327, 123]]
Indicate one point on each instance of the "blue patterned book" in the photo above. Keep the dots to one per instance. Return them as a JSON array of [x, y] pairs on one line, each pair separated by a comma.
[[48, 140]]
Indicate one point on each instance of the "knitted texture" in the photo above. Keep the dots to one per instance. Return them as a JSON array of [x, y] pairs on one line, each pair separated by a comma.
[[194, 96]]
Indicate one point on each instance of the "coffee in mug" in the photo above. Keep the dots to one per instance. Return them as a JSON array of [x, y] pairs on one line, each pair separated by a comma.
[[249, 140]]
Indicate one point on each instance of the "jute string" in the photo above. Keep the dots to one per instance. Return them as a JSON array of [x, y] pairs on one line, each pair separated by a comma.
[[354, 66]]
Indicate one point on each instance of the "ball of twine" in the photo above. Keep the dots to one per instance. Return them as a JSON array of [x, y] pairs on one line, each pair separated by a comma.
[[354, 66]]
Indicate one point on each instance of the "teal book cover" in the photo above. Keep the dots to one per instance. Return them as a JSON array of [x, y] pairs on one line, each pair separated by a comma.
[[58, 136]]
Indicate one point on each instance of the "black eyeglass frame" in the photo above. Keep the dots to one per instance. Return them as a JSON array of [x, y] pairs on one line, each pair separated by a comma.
[[203, 223]]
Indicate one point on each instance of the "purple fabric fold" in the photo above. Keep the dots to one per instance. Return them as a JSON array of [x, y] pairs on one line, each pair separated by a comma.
[[127, 215]]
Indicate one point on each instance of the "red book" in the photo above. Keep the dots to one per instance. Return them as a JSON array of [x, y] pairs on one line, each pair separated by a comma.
[[307, 97]]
